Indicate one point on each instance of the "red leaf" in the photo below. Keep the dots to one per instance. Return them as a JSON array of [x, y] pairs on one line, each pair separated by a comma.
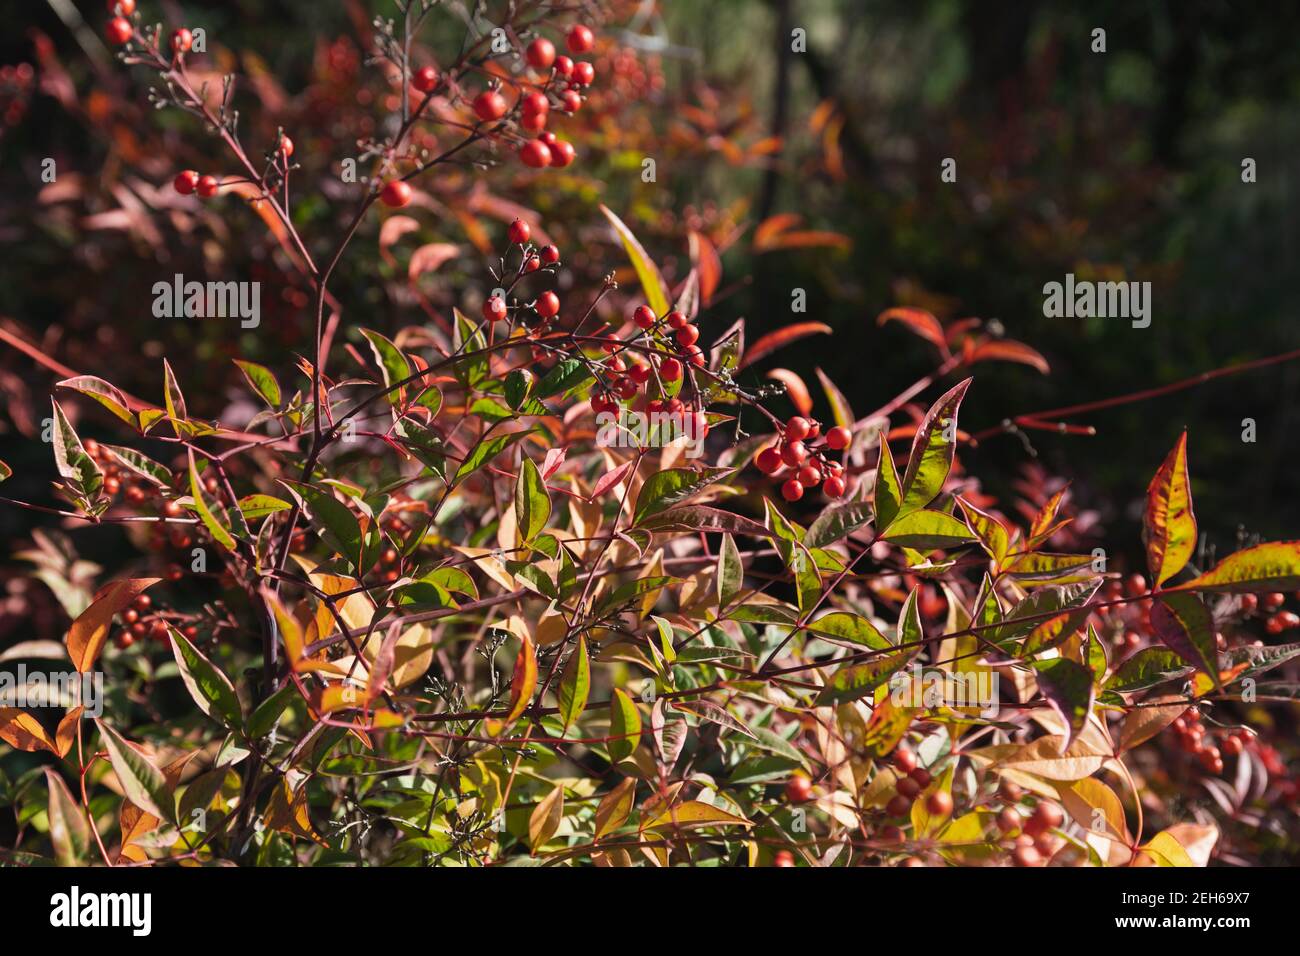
[[921, 323], [780, 339], [1009, 351], [609, 479]]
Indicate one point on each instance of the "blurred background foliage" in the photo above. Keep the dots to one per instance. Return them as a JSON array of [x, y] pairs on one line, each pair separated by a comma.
[[1123, 165]]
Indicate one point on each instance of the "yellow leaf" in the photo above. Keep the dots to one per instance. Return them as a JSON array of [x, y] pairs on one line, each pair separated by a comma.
[[694, 813], [89, 631], [545, 818]]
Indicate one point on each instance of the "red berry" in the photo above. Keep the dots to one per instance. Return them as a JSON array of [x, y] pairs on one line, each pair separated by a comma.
[[1135, 585], [142, 603], [625, 387], [839, 437], [535, 153], [549, 138], [286, 146], [1009, 820], [583, 73], [783, 858], [119, 31], [797, 428], [1026, 856], [939, 803], [794, 453], [182, 40], [540, 53], [904, 759], [425, 79], [535, 103], [798, 789], [571, 101], [833, 487], [534, 123], [563, 66], [395, 194], [908, 787], [921, 776], [695, 356], [1232, 746], [810, 475], [494, 309], [490, 105], [670, 370], [898, 806], [640, 371], [644, 317], [124, 7], [676, 320], [519, 232], [1274, 600], [792, 490], [562, 153], [1046, 816], [208, 186], [687, 335], [768, 461], [1274, 624], [580, 39], [1248, 603], [550, 255], [547, 305], [186, 182]]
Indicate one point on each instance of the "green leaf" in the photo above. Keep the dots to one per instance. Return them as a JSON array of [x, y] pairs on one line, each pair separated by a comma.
[[1169, 524], [336, 522], [1147, 668], [664, 489], [519, 385], [1183, 623], [262, 381], [484, 452], [836, 522], [71, 460], [992, 533], [532, 501], [932, 451], [259, 506], [888, 493], [174, 399], [142, 782], [575, 684], [69, 831], [565, 376], [731, 572], [846, 626], [102, 392], [394, 365], [210, 511], [927, 530], [1274, 566], [141, 464], [1032, 611], [1067, 685], [624, 726], [470, 369], [210, 688], [267, 714], [854, 681], [652, 283]]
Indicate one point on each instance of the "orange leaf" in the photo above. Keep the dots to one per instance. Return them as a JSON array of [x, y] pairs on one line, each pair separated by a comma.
[[22, 731], [795, 389], [1169, 525], [705, 259], [429, 257], [921, 323], [780, 339], [1009, 351], [524, 680], [89, 631]]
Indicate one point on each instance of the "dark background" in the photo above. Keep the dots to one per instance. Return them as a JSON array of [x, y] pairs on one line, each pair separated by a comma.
[[1121, 165]]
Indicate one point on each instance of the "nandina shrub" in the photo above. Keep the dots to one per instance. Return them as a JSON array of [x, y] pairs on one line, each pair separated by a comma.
[[551, 583]]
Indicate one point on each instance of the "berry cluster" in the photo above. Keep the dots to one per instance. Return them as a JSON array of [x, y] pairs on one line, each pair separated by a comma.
[[1197, 742], [189, 181], [670, 346], [546, 306], [809, 463]]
